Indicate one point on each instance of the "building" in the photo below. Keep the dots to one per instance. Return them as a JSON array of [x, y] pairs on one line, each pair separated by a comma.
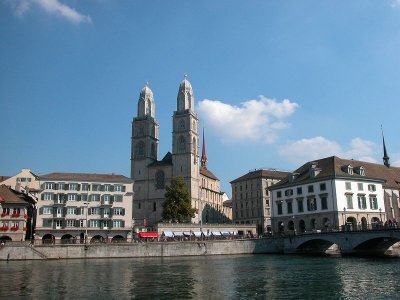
[[16, 215], [151, 175], [334, 193], [74, 205], [251, 203]]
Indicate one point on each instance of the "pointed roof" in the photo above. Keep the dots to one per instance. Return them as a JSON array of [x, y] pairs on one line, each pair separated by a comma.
[[203, 153], [386, 161], [185, 84]]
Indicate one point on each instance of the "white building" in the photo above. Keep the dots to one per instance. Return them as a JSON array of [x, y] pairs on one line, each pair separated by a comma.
[[329, 193]]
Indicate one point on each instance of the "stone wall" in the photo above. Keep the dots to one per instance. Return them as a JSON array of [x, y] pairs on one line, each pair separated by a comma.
[[21, 251]]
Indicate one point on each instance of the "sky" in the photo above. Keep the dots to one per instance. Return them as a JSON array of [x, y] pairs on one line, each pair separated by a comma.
[[276, 83]]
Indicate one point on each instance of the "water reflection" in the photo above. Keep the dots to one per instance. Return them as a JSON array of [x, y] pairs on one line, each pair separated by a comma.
[[217, 277]]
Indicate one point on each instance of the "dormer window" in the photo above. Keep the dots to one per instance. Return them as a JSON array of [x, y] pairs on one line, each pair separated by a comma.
[[348, 169], [314, 172], [360, 170], [372, 187], [292, 176]]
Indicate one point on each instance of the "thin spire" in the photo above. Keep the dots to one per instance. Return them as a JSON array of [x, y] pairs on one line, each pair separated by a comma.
[[386, 161], [203, 153]]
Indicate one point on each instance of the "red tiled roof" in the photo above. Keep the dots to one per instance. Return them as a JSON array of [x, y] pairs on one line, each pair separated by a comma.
[[205, 172], [9, 196]]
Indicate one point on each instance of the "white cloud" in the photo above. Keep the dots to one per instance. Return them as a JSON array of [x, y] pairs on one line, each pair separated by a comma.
[[254, 120], [301, 151], [52, 7]]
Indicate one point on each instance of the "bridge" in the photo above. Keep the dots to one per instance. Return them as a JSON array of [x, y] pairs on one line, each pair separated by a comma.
[[380, 242]]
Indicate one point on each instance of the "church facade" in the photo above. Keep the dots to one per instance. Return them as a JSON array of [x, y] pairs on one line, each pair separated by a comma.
[[151, 175]]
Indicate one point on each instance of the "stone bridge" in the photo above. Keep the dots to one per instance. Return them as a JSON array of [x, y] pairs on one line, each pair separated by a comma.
[[383, 242]]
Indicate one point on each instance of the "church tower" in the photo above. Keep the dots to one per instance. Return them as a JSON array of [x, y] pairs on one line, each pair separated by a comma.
[[386, 160], [185, 140], [144, 148]]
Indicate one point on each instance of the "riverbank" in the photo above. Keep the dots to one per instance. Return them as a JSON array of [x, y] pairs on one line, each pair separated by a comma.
[[25, 251]]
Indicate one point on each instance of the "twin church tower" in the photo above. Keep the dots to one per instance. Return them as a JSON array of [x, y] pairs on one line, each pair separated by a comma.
[[152, 175]]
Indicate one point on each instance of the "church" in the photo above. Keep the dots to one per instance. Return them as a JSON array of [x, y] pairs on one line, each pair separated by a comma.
[[151, 175]]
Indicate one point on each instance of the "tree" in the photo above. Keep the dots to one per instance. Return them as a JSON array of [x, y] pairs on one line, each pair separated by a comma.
[[177, 206]]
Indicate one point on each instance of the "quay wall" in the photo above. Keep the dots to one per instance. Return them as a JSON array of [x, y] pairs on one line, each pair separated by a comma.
[[23, 251]]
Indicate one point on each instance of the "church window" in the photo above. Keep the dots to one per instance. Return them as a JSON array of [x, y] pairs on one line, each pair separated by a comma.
[[194, 150], [153, 150], [148, 108], [160, 179], [182, 124], [194, 126], [140, 149], [153, 131], [181, 144]]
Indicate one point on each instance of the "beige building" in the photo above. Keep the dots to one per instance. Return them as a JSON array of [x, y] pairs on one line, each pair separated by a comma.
[[251, 202], [73, 205], [69, 205], [151, 175]]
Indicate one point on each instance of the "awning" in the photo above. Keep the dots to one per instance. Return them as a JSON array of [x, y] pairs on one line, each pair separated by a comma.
[[197, 233], [168, 234], [144, 234]]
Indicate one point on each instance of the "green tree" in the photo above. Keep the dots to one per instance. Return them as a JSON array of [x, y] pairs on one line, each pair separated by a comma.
[[177, 206]]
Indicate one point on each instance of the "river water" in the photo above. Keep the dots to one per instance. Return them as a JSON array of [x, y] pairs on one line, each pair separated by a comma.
[[205, 277]]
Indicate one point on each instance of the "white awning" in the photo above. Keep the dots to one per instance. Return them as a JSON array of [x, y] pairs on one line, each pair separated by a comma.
[[197, 233], [178, 233], [168, 234]]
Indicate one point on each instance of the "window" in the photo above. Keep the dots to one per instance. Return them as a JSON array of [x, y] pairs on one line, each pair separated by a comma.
[[362, 202], [300, 205], [71, 210], [289, 207], [311, 189], [85, 187], [94, 223], [181, 144], [94, 211], [47, 197], [118, 188], [59, 224], [371, 187], [118, 224], [299, 190], [322, 186], [74, 187], [48, 186], [95, 197], [70, 223], [311, 204], [324, 202], [360, 186], [266, 192], [289, 192], [373, 202], [139, 205], [278, 194], [47, 210], [160, 179], [118, 198], [155, 206], [119, 211], [349, 200], [279, 208], [348, 185], [71, 197], [107, 188], [96, 187]]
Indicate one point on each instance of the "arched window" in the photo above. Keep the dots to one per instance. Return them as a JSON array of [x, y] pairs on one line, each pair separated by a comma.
[[182, 124], [160, 179], [140, 149], [148, 108], [153, 150], [195, 150], [181, 144]]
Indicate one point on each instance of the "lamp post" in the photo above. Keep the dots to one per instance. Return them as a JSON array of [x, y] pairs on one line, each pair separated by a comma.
[[380, 214], [86, 224], [344, 218]]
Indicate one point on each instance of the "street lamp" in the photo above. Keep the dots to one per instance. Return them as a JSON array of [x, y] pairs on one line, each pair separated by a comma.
[[380, 214], [86, 227]]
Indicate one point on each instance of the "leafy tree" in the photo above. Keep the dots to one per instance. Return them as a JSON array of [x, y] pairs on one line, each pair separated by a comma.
[[177, 206]]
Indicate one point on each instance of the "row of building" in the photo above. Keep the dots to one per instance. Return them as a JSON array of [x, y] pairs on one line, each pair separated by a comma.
[[325, 194]]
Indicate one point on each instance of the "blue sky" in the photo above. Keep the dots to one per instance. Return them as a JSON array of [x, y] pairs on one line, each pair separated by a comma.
[[276, 83]]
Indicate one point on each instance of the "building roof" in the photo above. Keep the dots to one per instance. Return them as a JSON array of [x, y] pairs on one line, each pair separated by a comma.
[[205, 172], [86, 177], [4, 178], [263, 173], [10, 196], [335, 167], [167, 160]]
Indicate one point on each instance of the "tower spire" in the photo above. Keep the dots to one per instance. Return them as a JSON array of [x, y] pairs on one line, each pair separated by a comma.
[[386, 161], [203, 153]]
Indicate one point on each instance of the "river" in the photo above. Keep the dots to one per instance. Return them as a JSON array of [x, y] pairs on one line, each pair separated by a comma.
[[205, 277]]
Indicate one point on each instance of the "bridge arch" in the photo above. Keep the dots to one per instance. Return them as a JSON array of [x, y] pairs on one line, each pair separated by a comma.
[[318, 246]]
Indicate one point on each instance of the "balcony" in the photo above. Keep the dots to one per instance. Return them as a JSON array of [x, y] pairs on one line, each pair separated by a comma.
[[14, 228], [4, 228], [4, 215]]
